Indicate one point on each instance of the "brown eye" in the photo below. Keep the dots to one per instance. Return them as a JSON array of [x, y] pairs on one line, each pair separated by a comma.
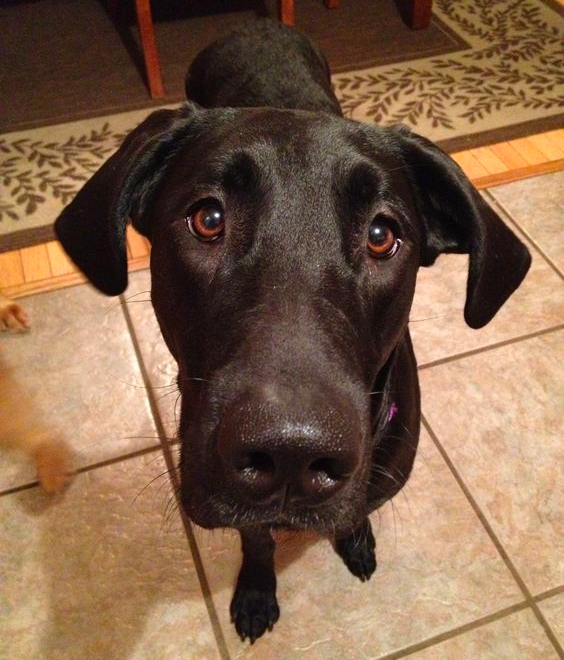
[[382, 242], [207, 222]]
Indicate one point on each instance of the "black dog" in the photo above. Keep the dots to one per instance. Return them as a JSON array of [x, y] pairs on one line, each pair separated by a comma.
[[285, 246]]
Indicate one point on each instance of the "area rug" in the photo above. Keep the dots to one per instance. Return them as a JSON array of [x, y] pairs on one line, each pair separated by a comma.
[[508, 82], [94, 66]]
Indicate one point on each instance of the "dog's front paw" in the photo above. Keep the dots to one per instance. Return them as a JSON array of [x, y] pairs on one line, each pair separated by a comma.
[[253, 612], [357, 551], [13, 316]]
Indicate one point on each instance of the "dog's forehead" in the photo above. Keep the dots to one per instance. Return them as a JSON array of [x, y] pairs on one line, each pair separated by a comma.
[[290, 142]]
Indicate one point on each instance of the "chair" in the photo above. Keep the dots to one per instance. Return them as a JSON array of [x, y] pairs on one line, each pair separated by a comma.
[[416, 13]]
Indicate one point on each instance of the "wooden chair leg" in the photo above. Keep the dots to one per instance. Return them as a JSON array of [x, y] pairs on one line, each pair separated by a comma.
[[286, 10], [149, 46], [113, 7], [416, 13]]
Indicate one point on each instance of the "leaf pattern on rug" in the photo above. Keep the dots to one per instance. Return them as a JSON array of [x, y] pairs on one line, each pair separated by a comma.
[[517, 62], [513, 65], [57, 169]]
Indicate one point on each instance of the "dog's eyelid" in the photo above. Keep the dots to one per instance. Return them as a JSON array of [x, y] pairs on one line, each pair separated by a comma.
[[202, 199], [182, 207], [391, 216], [400, 213]]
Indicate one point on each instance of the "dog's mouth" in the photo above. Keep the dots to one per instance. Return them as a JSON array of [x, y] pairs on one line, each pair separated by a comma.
[[289, 522], [220, 511]]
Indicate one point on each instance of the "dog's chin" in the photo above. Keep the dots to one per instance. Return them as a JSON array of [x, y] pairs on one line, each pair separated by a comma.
[[327, 520]]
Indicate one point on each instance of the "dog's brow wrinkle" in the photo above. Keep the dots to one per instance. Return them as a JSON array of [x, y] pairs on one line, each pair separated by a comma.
[[240, 172], [363, 180]]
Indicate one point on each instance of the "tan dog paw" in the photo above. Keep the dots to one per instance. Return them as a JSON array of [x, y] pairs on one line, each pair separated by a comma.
[[13, 316], [54, 463]]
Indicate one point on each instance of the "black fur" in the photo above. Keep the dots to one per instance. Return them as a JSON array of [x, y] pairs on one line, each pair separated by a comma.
[[300, 398]]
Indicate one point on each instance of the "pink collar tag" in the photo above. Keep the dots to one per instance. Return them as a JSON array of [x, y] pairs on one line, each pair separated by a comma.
[[392, 412]]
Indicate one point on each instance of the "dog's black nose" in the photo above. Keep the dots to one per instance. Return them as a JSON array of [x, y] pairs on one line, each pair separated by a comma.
[[277, 450]]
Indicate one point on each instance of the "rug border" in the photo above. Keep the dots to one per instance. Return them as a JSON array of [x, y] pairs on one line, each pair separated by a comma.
[[25, 238], [502, 134]]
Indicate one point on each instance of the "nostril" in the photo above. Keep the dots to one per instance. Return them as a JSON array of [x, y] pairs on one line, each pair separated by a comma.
[[256, 472], [257, 462], [324, 477], [327, 469]]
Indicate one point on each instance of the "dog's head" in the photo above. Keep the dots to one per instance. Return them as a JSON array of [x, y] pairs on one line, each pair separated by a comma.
[[285, 247]]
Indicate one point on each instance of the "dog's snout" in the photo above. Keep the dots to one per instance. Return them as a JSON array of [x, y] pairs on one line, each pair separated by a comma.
[[270, 454]]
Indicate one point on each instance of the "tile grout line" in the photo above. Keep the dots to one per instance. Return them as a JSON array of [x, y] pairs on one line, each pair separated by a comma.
[[545, 595], [493, 536], [489, 347], [172, 471], [195, 550], [455, 632], [509, 218]]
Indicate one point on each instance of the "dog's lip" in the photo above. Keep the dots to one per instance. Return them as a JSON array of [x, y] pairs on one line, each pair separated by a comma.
[[310, 519]]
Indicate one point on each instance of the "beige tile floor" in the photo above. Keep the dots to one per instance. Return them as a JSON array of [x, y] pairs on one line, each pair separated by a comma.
[[470, 553]]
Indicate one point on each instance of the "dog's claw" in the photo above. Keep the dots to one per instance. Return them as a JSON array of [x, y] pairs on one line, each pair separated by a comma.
[[357, 551], [254, 612]]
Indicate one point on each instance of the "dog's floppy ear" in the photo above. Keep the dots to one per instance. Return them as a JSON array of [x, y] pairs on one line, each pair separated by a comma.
[[457, 219], [92, 227]]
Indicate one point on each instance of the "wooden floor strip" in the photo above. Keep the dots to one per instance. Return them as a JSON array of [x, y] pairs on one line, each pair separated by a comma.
[[35, 262], [510, 157], [470, 164], [58, 260], [492, 163], [547, 146], [518, 174], [11, 269], [528, 151], [46, 267]]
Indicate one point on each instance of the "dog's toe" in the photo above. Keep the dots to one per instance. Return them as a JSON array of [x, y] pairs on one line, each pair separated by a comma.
[[362, 566], [253, 612], [358, 552]]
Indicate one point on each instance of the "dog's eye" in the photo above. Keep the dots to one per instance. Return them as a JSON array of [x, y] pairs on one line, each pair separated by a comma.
[[207, 222], [382, 242]]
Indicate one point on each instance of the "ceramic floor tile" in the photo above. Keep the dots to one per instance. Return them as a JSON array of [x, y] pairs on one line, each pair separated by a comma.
[[437, 570], [517, 636], [161, 367], [79, 366], [437, 323], [553, 611], [100, 572], [499, 416], [537, 205]]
